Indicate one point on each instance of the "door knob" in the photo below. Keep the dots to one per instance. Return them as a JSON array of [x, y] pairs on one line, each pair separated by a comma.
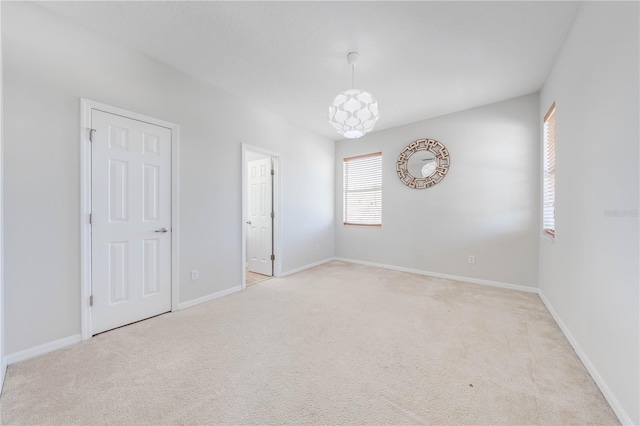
[[162, 230]]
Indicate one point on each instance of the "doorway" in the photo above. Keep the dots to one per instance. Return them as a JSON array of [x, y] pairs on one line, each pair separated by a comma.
[[129, 230], [260, 182]]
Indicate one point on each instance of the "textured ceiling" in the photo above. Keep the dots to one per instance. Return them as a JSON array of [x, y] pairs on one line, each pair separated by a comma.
[[419, 59]]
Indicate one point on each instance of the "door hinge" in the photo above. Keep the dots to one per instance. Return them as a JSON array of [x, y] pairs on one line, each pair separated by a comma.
[[90, 219], [91, 134], [91, 300], [273, 172], [273, 257], [273, 215]]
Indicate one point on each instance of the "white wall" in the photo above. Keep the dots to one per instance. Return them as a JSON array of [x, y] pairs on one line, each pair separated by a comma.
[[49, 65], [3, 364], [486, 206], [589, 275]]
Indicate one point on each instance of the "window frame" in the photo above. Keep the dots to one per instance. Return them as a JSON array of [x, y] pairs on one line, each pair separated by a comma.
[[346, 191]]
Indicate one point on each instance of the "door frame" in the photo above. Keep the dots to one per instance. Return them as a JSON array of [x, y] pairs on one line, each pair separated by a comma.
[[87, 105], [277, 167]]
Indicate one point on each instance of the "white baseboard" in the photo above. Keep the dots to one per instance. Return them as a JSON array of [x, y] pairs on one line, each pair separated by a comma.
[[208, 297], [42, 349], [3, 372], [606, 391], [446, 276], [67, 341], [309, 266]]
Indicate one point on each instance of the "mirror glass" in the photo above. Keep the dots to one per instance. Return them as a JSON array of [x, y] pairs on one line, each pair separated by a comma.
[[422, 163]]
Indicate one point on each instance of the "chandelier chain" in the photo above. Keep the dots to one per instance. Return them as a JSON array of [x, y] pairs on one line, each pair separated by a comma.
[[353, 76]]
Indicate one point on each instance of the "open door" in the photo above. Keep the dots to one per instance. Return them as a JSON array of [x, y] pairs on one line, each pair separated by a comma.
[[260, 216]]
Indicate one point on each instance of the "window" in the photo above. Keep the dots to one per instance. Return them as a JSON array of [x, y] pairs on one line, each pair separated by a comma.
[[363, 190], [549, 174]]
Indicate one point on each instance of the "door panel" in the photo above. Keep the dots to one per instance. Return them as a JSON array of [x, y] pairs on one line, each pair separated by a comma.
[[118, 271], [151, 193], [259, 214], [151, 265], [118, 190], [131, 203]]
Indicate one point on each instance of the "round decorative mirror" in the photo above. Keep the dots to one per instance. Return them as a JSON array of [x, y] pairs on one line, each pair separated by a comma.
[[423, 163]]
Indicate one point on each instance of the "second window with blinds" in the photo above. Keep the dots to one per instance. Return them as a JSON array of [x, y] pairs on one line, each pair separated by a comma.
[[549, 174], [363, 190]]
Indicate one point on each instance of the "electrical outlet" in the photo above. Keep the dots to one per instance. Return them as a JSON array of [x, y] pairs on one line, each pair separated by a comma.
[[471, 259], [195, 274]]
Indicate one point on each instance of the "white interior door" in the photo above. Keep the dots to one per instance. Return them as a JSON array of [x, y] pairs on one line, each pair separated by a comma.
[[131, 220], [259, 206]]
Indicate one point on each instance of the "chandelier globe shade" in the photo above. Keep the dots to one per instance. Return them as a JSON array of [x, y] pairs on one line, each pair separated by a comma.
[[353, 112]]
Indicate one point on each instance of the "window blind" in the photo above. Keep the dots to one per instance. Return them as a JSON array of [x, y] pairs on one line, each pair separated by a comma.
[[549, 173], [363, 190]]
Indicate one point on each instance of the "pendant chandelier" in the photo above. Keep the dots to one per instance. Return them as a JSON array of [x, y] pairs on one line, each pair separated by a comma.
[[353, 112]]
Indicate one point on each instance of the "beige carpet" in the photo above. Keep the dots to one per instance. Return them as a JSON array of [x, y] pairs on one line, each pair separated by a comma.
[[337, 344], [253, 278]]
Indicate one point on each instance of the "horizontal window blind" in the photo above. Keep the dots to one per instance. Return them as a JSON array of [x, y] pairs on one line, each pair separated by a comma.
[[363, 190], [549, 173]]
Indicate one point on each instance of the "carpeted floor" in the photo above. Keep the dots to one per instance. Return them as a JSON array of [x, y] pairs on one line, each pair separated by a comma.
[[337, 344]]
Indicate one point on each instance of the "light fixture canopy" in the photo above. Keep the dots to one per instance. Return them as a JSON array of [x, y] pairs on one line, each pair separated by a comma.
[[354, 112]]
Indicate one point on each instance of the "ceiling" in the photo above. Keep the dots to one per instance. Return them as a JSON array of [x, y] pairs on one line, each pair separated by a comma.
[[419, 59]]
